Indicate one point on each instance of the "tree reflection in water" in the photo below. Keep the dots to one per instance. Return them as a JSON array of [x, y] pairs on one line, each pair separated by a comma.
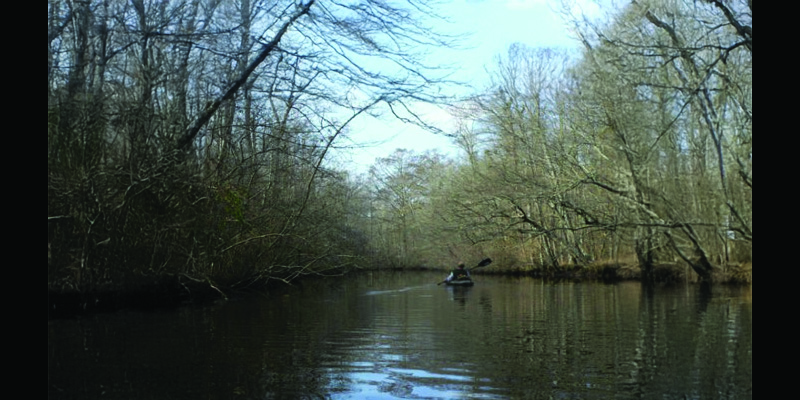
[[396, 335]]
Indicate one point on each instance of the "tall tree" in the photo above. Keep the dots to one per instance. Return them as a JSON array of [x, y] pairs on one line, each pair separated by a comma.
[[196, 132], [663, 84]]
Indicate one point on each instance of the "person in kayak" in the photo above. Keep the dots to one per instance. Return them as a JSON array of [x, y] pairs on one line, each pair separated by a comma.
[[459, 273]]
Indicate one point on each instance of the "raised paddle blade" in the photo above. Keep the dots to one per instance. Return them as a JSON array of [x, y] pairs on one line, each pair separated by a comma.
[[485, 262]]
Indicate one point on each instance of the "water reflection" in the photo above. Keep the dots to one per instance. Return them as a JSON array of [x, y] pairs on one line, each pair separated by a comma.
[[459, 294], [401, 336]]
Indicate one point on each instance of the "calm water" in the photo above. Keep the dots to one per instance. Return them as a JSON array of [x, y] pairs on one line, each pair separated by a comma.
[[393, 335]]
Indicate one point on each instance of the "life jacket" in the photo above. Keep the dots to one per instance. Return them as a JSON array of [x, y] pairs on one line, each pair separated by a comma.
[[459, 274]]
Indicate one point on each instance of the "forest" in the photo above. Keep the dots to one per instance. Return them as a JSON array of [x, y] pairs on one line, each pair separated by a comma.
[[188, 143]]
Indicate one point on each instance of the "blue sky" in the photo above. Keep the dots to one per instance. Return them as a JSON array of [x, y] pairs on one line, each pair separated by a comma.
[[494, 25]]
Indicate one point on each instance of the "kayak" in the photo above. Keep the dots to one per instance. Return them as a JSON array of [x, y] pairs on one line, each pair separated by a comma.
[[460, 282]]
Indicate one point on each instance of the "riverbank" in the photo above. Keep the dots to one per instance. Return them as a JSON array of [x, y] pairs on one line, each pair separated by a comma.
[[165, 294], [617, 271], [63, 304]]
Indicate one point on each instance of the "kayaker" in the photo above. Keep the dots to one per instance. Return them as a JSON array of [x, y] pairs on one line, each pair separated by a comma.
[[460, 272]]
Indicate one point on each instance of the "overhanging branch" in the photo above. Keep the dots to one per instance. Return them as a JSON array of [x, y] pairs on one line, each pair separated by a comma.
[[213, 106]]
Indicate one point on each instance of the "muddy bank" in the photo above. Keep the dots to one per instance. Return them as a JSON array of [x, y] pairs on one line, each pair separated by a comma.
[[169, 292], [613, 272], [63, 304]]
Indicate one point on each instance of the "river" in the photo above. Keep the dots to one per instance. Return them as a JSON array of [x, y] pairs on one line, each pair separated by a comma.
[[387, 335]]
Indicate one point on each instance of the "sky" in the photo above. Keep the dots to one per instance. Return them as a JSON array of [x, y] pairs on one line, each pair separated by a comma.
[[494, 25]]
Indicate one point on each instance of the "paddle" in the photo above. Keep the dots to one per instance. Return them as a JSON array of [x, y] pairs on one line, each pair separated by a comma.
[[483, 263]]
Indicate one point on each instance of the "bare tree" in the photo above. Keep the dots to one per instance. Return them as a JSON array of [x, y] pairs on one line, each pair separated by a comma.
[[196, 132], [625, 151], [678, 83]]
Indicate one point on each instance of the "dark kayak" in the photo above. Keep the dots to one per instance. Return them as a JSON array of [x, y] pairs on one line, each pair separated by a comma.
[[460, 282]]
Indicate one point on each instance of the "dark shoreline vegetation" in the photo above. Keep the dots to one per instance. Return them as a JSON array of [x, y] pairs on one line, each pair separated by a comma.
[[70, 303], [188, 160]]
